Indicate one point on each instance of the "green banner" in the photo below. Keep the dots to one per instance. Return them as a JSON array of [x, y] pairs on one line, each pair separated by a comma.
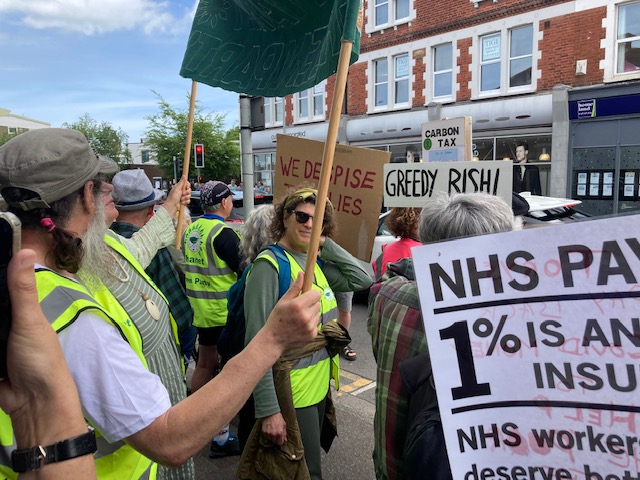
[[269, 48]]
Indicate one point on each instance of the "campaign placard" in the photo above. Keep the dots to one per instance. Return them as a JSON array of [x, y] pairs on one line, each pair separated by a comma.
[[414, 184], [355, 188], [447, 140], [534, 339]]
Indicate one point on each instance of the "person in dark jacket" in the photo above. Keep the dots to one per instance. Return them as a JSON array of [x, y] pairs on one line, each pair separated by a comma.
[[526, 178]]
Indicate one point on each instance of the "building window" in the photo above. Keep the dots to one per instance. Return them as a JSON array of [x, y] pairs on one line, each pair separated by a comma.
[[513, 69], [12, 130], [628, 38], [401, 73], [382, 12], [387, 13], [310, 103], [391, 92], [520, 56], [490, 62], [318, 100], [273, 111], [381, 82], [303, 104], [443, 70], [145, 156]]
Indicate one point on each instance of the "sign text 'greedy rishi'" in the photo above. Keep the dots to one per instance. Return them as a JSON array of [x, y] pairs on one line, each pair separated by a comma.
[[412, 185]]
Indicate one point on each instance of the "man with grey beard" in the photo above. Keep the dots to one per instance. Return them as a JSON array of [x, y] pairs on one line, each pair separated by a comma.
[[112, 264], [57, 185], [114, 276]]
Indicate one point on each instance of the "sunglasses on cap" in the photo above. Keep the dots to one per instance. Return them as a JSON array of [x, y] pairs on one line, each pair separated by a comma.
[[302, 217]]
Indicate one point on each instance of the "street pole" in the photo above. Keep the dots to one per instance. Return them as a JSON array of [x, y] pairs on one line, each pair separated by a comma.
[[246, 151]]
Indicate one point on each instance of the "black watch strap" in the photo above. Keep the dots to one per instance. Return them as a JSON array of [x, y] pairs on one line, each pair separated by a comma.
[[34, 458]]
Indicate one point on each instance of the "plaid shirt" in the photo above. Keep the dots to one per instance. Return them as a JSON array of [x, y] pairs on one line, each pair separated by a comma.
[[395, 323], [163, 273]]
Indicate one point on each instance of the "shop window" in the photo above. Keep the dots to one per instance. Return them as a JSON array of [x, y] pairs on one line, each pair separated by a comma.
[[273, 111], [591, 170], [505, 148], [628, 38], [391, 88], [504, 68], [264, 166], [442, 70], [406, 153], [386, 13], [310, 103]]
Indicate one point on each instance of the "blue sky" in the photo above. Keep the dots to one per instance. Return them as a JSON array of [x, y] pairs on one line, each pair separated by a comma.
[[61, 59]]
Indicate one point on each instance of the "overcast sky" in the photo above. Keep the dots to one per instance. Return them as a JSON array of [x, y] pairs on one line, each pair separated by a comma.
[[60, 59]]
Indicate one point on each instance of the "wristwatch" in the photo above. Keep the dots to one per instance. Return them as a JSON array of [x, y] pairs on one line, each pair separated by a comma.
[[34, 458]]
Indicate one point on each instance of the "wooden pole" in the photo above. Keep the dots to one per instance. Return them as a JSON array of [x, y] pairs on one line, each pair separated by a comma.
[[187, 157], [327, 160]]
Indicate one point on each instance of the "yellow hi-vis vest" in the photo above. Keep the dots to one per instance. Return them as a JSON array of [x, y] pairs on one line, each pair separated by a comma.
[[207, 277], [310, 375], [62, 300]]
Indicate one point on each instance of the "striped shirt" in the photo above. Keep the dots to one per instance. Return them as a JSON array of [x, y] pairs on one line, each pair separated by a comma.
[[158, 342]]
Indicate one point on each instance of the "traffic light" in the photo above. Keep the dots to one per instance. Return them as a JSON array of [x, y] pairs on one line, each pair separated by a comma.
[[198, 155]]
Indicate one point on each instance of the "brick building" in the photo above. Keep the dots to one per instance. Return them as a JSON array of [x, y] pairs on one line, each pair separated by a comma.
[[561, 75]]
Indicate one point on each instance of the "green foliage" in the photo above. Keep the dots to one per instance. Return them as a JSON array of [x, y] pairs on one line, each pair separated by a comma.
[[105, 139], [166, 137], [5, 137]]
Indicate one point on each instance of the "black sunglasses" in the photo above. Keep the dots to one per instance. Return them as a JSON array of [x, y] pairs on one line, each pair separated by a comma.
[[302, 217]]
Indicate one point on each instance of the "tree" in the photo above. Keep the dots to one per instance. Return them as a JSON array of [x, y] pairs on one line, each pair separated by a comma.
[[167, 133], [5, 137], [105, 139]]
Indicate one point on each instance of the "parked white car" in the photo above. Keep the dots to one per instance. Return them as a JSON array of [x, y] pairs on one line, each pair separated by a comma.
[[383, 236], [551, 210]]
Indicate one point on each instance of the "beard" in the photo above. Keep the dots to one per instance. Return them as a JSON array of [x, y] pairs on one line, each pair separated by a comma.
[[96, 261]]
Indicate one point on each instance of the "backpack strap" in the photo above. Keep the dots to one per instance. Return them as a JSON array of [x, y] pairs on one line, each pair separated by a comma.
[[284, 268]]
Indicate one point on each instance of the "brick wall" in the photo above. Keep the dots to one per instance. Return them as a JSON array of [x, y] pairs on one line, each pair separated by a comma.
[[566, 40], [433, 18], [464, 62], [357, 90]]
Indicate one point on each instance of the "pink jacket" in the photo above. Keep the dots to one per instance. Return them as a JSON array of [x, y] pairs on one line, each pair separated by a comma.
[[391, 253]]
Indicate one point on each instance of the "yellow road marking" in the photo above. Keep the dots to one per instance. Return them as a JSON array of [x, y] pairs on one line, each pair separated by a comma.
[[356, 382]]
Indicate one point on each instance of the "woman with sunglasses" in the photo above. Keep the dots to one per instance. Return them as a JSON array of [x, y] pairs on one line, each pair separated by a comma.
[[309, 375]]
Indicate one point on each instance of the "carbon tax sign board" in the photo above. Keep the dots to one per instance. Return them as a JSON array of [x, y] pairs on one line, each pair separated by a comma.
[[414, 184], [447, 140], [534, 338]]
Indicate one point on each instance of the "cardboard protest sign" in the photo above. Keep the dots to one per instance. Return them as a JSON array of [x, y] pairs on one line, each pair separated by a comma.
[[355, 189], [413, 184], [534, 338], [447, 140]]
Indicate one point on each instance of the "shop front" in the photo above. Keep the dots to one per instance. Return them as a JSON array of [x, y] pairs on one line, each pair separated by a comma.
[[497, 128], [604, 146]]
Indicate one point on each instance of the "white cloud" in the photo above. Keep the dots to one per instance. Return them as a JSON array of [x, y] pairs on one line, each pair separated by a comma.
[[91, 17]]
